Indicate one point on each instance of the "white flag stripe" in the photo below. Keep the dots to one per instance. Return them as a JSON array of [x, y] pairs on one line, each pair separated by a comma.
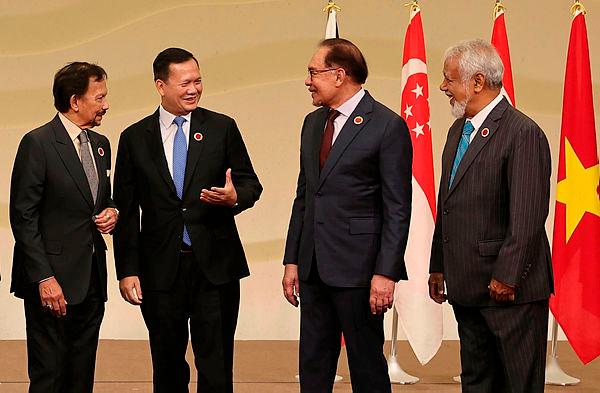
[[413, 66], [331, 29]]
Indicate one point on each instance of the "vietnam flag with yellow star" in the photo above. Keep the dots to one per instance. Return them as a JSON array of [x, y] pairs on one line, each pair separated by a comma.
[[576, 243]]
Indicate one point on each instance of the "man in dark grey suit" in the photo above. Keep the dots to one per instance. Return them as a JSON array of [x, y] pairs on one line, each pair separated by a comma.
[[60, 205], [349, 225], [490, 246]]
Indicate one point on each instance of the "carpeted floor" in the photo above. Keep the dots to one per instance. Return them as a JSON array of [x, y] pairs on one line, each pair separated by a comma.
[[270, 367]]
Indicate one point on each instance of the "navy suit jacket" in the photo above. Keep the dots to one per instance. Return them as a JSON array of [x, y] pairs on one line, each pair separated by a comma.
[[490, 223], [353, 216]]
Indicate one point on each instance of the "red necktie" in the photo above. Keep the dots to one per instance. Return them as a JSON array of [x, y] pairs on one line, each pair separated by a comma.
[[327, 139]]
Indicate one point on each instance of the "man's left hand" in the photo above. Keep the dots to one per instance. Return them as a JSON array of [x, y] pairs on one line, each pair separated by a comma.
[[222, 196], [106, 220], [501, 292], [382, 294]]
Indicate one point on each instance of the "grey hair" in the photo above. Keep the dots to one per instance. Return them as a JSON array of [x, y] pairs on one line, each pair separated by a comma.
[[477, 56]]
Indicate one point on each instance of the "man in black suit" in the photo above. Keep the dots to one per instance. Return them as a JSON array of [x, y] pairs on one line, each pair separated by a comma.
[[186, 170], [490, 246], [60, 205], [349, 224]]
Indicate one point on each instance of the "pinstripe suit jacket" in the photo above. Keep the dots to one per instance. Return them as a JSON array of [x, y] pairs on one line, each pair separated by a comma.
[[490, 222]]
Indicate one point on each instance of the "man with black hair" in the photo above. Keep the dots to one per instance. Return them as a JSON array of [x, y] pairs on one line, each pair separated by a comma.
[[60, 205], [349, 224], [186, 170]]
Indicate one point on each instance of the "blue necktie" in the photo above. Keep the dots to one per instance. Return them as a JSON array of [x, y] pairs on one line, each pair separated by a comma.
[[179, 159], [463, 145]]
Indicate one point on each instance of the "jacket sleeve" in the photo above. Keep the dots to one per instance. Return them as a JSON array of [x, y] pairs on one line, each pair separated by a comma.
[[26, 197], [127, 230], [395, 166], [245, 181]]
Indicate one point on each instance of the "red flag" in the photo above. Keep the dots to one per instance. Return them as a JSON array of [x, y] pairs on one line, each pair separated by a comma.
[[420, 317], [576, 243], [500, 42]]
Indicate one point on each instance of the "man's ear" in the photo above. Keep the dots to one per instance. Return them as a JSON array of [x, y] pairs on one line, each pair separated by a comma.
[[160, 87], [340, 76], [73, 103], [478, 82]]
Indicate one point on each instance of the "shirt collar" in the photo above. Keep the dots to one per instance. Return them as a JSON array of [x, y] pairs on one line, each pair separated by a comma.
[[72, 129], [480, 117], [349, 106], [166, 118]]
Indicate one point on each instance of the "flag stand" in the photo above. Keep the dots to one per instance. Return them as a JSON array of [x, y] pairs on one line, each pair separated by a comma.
[[397, 374], [554, 374]]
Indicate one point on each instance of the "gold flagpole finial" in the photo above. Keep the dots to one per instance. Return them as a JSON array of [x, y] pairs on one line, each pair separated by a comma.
[[331, 6], [498, 8], [577, 7], [414, 6]]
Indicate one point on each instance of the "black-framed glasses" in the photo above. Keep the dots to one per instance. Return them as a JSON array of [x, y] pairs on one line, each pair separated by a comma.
[[313, 72]]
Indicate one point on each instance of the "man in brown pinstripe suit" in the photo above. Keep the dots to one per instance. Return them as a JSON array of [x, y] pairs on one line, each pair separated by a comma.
[[490, 247]]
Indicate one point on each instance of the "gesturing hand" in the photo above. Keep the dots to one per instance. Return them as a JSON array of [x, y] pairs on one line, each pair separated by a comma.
[[223, 196]]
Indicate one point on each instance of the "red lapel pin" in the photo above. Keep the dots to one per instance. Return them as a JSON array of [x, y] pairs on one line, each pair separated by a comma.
[[485, 132], [101, 152], [358, 120], [198, 136]]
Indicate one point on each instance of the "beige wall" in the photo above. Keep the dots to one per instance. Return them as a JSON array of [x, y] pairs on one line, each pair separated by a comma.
[[253, 56]]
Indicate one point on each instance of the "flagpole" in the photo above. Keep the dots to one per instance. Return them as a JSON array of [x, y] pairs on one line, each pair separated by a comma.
[[554, 373], [397, 374]]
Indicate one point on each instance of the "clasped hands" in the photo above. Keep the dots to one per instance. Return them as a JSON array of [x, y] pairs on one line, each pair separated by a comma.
[[499, 291], [381, 297]]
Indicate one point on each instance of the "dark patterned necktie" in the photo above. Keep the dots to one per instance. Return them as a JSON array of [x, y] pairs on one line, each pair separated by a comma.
[[88, 164], [327, 139]]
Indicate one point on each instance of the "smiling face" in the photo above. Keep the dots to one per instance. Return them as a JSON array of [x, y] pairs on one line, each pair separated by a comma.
[[90, 107], [457, 90], [181, 91], [322, 85]]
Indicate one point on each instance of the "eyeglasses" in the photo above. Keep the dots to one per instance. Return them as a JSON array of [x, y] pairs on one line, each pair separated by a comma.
[[313, 72]]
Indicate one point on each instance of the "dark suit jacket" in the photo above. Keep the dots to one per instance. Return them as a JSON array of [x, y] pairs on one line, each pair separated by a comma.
[[490, 223], [353, 215], [142, 180], [51, 209]]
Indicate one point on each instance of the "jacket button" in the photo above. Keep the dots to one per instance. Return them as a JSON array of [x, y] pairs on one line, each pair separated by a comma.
[[184, 209], [318, 195], [445, 212], [445, 239], [91, 244]]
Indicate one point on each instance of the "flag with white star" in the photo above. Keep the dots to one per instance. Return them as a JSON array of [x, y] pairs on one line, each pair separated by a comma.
[[420, 317], [576, 242], [500, 42]]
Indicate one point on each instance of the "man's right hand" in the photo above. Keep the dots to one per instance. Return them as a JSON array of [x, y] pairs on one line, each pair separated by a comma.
[[131, 290], [437, 290], [291, 289], [52, 297]]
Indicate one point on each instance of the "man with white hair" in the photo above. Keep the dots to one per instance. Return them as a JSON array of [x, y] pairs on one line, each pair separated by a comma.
[[490, 247]]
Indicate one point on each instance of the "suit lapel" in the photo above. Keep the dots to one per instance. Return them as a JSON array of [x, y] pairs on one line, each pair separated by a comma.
[[100, 160], [479, 142], [347, 135], [316, 135], [195, 147], [157, 151], [66, 151]]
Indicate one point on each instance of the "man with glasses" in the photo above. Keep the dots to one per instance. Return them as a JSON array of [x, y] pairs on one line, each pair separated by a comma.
[[349, 224]]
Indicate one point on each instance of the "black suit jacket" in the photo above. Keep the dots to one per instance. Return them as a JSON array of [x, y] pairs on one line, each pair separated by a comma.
[[51, 209], [143, 182], [490, 223], [353, 215]]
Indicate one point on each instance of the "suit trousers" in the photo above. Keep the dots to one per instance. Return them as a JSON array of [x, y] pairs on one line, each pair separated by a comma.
[[503, 348], [211, 311], [326, 312], [61, 352]]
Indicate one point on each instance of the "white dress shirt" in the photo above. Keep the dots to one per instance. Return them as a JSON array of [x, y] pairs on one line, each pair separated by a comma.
[[168, 129], [345, 110], [480, 117]]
